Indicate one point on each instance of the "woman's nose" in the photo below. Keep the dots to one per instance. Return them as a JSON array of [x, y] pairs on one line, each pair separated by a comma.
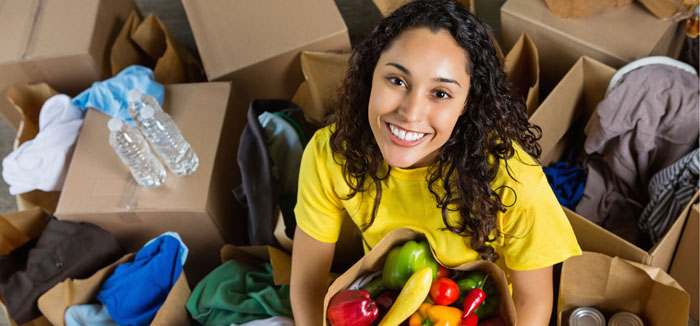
[[413, 106]]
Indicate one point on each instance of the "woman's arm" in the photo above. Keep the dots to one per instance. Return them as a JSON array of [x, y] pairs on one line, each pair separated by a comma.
[[532, 294], [311, 264]]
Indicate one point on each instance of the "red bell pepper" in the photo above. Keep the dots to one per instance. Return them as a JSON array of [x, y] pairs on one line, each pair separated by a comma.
[[352, 308], [471, 320]]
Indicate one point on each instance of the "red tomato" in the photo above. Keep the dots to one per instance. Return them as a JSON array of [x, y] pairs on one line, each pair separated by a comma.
[[444, 291], [442, 272]]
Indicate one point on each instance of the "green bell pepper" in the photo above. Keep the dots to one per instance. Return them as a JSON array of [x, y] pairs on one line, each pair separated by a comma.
[[475, 279], [403, 261]]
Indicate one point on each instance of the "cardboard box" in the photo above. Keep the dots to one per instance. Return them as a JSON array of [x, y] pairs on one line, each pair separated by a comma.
[[54, 303], [200, 207], [64, 43], [374, 261], [614, 284], [256, 44], [573, 101], [614, 37], [685, 267]]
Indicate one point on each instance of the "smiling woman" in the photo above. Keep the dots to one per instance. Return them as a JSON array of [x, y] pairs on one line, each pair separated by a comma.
[[427, 134]]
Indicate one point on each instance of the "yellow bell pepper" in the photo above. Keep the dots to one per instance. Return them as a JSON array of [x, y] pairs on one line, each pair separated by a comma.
[[435, 315]]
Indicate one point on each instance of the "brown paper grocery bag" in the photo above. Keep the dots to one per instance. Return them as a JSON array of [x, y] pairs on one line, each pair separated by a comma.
[[28, 100], [149, 43], [386, 7], [615, 284], [581, 8], [18, 228], [522, 66], [374, 261], [54, 303]]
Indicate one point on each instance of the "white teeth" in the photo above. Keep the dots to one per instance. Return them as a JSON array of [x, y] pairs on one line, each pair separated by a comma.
[[404, 135]]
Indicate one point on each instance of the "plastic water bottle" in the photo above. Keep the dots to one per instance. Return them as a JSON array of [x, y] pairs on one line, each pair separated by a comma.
[[162, 132], [138, 101], [134, 151]]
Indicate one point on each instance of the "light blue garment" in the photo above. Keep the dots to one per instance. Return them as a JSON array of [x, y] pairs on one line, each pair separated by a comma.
[[109, 96], [183, 248], [88, 315]]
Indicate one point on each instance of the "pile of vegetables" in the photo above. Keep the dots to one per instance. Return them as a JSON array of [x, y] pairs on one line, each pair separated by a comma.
[[429, 295]]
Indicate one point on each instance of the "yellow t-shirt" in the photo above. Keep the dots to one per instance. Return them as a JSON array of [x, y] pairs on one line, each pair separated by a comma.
[[535, 230]]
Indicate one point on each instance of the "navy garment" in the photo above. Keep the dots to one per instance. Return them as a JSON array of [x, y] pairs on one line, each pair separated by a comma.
[[566, 182], [137, 289], [64, 250], [260, 190]]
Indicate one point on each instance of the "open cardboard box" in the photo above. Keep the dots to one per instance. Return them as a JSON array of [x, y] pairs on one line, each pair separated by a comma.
[[54, 302], [64, 43], [614, 284], [374, 261], [256, 45], [614, 37], [573, 101], [200, 207], [685, 267]]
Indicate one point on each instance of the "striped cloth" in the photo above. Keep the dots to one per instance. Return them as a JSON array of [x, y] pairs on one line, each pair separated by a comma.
[[670, 191]]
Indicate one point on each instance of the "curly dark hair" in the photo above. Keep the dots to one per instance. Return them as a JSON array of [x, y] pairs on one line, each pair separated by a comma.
[[494, 119]]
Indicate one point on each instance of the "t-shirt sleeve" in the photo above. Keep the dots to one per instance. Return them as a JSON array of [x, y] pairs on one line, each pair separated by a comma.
[[319, 210], [536, 231]]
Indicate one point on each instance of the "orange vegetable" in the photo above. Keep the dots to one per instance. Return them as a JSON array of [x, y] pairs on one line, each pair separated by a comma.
[[435, 315]]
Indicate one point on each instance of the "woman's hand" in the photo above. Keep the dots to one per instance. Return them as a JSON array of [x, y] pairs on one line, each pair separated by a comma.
[[532, 294], [311, 264]]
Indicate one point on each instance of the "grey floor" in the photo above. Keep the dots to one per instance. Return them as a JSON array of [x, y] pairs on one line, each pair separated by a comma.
[[359, 15]]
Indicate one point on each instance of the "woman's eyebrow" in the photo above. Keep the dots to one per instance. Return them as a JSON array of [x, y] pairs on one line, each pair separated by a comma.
[[437, 79], [399, 67]]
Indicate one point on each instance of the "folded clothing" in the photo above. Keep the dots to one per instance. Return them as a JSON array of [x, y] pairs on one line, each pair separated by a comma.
[[237, 293], [137, 289], [64, 250], [42, 163], [109, 96]]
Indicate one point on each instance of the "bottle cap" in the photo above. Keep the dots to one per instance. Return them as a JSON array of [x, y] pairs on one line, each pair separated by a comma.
[[133, 95], [147, 112], [114, 124]]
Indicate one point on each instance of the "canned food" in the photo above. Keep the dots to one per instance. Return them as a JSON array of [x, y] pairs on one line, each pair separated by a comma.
[[586, 316], [625, 318]]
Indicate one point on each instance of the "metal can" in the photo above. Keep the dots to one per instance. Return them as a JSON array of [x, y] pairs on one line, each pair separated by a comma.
[[625, 318], [586, 316]]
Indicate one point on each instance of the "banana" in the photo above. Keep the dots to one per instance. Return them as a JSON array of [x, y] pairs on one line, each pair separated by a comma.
[[410, 298]]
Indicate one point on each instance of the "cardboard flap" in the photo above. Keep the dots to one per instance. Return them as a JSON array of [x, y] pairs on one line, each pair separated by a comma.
[[54, 302], [149, 43], [28, 100], [615, 284], [374, 261], [522, 67], [324, 73], [124, 51], [281, 261], [18, 228]]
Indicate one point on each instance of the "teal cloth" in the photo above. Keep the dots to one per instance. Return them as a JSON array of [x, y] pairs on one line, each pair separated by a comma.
[[238, 293]]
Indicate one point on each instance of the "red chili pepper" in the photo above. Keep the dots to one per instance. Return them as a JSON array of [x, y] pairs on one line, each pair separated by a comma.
[[473, 299], [471, 320]]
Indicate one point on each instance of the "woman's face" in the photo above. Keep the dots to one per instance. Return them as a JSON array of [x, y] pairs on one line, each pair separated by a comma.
[[419, 89]]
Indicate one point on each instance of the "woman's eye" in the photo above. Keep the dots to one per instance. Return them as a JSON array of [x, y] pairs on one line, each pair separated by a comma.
[[441, 94], [396, 81]]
